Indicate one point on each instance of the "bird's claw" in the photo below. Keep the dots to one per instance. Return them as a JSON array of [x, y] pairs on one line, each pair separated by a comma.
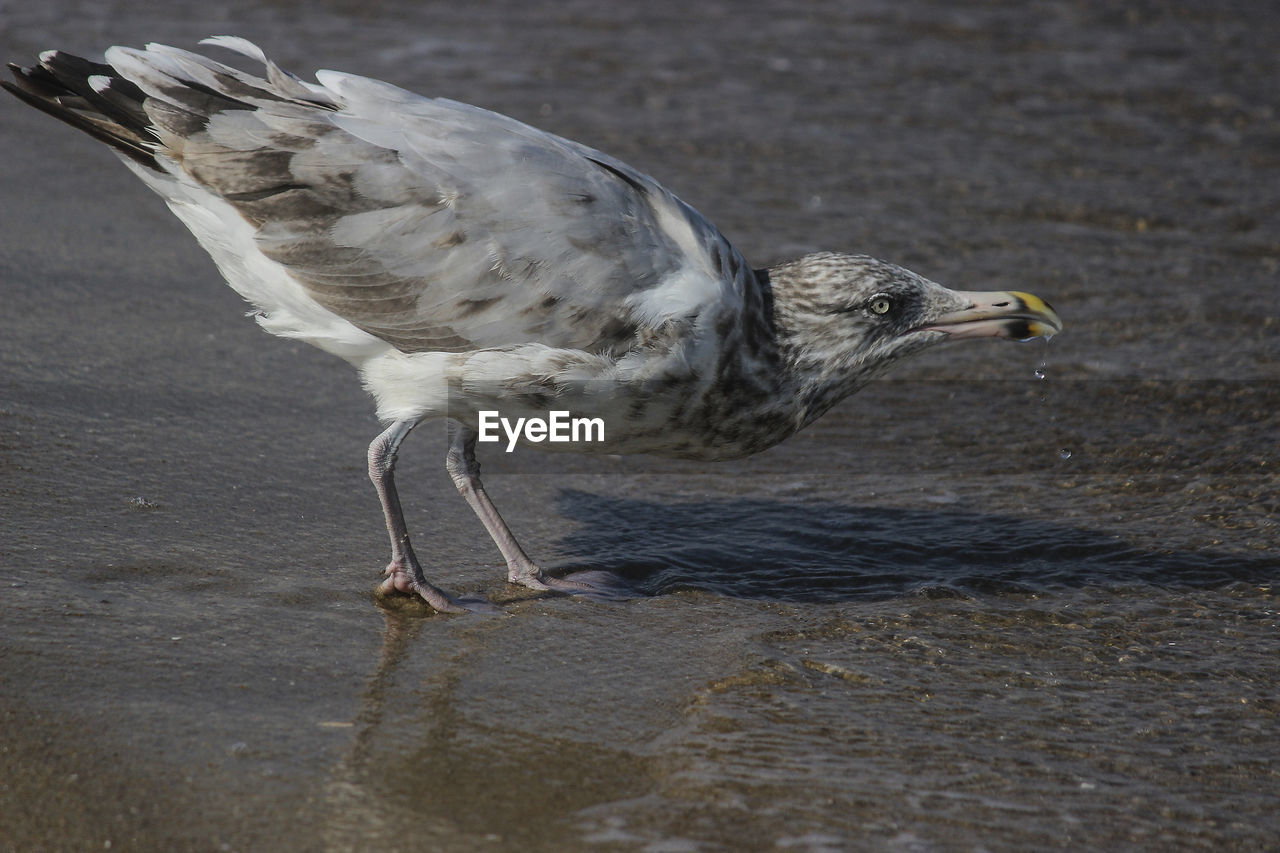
[[594, 585], [407, 579]]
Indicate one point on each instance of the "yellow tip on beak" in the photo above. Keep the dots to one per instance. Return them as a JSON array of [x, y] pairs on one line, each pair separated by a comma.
[[1045, 323]]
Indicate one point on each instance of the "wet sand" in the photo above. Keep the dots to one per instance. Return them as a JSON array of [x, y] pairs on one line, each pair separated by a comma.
[[917, 626]]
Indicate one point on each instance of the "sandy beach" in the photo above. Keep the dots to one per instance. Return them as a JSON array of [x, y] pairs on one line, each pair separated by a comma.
[[969, 609]]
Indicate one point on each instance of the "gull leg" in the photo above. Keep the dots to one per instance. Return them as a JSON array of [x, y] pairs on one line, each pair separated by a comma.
[[465, 471], [404, 572]]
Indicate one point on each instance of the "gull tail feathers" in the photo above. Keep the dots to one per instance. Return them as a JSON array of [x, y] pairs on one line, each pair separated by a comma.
[[145, 102], [161, 108]]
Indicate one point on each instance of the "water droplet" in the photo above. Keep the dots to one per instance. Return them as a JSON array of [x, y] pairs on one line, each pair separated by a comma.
[[1064, 453], [1044, 361]]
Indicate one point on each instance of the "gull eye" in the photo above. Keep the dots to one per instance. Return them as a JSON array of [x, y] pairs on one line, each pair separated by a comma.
[[879, 304]]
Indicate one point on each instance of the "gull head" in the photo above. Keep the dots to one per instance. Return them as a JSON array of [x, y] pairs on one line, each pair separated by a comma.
[[842, 319]]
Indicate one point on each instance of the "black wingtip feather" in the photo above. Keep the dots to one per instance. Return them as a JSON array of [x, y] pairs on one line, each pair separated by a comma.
[[60, 86]]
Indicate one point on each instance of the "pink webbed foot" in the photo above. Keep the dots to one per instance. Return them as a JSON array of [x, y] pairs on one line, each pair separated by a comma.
[[594, 585], [402, 578]]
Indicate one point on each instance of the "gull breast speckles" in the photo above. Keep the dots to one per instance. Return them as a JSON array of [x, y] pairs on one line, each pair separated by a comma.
[[463, 261]]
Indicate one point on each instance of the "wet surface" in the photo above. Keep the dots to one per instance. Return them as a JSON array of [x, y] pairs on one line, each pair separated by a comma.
[[918, 625]]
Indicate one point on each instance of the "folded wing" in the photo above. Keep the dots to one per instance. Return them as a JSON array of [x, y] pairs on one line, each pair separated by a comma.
[[428, 223]]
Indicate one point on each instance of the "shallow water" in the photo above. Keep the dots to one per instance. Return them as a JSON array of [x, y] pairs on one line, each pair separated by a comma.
[[916, 626]]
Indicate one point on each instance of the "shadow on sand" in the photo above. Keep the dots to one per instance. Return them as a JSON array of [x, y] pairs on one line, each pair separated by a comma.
[[829, 552]]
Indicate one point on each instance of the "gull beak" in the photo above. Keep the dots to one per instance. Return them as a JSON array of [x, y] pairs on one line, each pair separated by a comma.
[[999, 314]]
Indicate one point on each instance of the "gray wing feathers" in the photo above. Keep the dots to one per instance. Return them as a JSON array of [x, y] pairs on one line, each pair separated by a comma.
[[432, 224]]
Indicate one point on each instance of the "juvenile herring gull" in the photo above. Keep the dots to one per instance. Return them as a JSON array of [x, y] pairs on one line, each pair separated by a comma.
[[464, 262]]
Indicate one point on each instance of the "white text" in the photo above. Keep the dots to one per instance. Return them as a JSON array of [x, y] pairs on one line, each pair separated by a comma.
[[556, 427]]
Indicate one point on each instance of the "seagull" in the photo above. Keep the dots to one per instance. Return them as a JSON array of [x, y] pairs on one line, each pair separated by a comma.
[[468, 264]]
